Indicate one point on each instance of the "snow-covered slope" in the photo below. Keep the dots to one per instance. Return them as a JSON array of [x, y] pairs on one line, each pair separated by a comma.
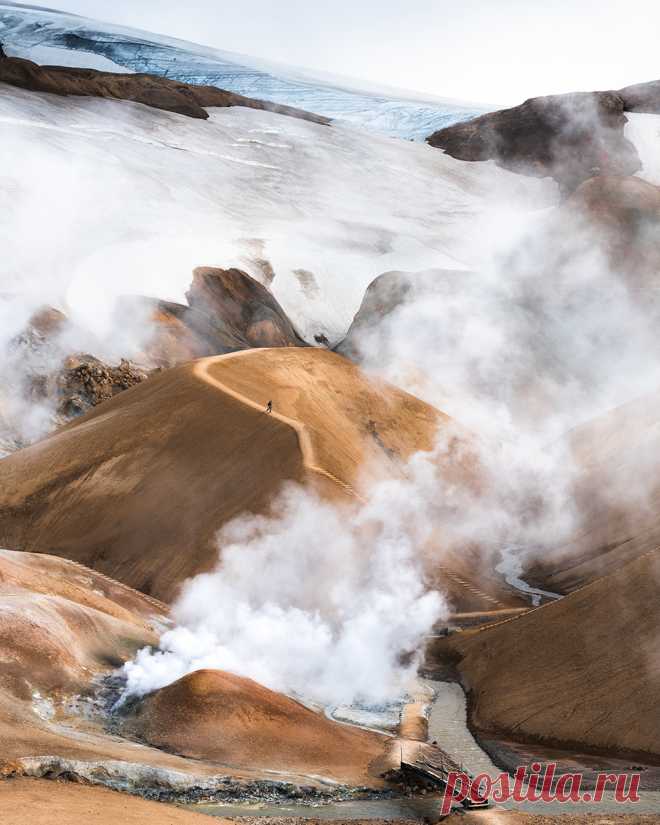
[[100, 198], [644, 132], [35, 33]]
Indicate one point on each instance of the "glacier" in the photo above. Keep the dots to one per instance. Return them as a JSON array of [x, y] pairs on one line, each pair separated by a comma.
[[103, 198], [100, 198], [58, 38]]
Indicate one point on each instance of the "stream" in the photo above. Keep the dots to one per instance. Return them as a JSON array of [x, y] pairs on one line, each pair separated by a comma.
[[384, 809], [511, 568], [447, 725]]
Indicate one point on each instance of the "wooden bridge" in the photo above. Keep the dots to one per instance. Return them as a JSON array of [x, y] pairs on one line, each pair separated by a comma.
[[432, 765]]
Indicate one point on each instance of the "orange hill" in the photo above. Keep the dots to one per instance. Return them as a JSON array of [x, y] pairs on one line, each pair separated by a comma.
[[61, 626], [64, 627], [61, 621], [138, 487], [583, 672], [217, 716]]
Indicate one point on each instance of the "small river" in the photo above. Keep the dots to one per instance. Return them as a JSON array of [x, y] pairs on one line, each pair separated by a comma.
[[447, 725], [511, 568], [388, 809]]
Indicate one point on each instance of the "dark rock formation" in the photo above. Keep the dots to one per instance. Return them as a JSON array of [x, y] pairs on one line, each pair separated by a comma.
[[233, 311], [568, 137], [385, 294], [84, 382], [228, 311], [70, 384], [604, 235], [157, 92], [642, 97], [41, 329]]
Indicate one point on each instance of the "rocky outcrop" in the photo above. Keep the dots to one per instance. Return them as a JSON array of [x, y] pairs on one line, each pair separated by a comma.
[[44, 326], [603, 237], [233, 311], [69, 384], [568, 137], [45, 383], [85, 382], [623, 215], [642, 97], [227, 311], [385, 295], [150, 90]]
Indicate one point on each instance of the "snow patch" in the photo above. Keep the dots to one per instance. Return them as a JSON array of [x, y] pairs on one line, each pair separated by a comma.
[[54, 56], [644, 132], [127, 199], [394, 112]]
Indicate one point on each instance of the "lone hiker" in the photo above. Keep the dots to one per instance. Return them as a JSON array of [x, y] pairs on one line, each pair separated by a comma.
[[3, 55], [269, 408]]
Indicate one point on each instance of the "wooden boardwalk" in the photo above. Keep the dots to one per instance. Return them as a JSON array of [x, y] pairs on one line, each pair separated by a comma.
[[431, 764]]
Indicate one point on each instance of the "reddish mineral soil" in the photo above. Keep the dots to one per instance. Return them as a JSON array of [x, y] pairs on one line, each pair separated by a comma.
[[165, 464], [220, 717], [572, 666]]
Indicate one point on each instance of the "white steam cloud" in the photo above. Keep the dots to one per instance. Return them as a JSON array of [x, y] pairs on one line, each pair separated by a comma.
[[553, 332], [102, 199], [550, 334], [331, 603], [313, 599]]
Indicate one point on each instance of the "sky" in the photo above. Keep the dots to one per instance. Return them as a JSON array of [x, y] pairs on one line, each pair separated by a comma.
[[481, 50]]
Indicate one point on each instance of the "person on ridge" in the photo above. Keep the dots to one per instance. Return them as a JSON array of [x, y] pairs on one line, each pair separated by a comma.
[[269, 408], [3, 54]]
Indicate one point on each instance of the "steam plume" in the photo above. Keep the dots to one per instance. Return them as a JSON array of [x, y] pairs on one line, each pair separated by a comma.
[[312, 599]]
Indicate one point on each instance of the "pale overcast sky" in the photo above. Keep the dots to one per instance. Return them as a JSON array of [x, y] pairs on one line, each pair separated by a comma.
[[478, 50]]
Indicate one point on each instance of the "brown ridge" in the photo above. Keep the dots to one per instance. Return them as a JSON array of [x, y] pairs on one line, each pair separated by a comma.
[[150, 90]]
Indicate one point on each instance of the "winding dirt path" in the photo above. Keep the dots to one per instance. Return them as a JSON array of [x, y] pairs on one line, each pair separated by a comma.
[[310, 461], [201, 371]]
